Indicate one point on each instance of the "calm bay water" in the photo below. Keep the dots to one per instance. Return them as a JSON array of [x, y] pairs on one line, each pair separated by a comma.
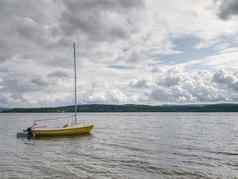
[[125, 145]]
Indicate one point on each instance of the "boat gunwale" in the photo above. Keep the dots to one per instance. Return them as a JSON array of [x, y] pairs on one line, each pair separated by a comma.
[[61, 128]]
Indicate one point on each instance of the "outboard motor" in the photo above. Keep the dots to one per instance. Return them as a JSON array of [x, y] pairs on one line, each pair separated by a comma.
[[26, 133]]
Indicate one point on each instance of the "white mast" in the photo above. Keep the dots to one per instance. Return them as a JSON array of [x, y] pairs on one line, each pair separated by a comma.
[[75, 85]]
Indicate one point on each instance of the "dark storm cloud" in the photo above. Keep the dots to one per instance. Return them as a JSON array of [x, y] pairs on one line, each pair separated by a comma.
[[20, 84], [30, 30], [228, 8], [39, 82], [14, 87], [4, 51], [100, 20], [60, 61], [22, 27], [58, 74]]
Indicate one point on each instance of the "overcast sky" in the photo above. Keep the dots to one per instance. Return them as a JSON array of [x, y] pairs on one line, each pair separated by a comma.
[[129, 51]]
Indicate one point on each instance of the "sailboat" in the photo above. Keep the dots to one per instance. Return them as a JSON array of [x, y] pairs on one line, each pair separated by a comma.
[[73, 129]]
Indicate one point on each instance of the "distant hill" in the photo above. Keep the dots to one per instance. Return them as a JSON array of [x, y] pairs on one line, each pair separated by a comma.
[[2, 109], [132, 108]]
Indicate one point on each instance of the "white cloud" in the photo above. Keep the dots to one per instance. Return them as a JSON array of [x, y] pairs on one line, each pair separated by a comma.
[[225, 59], [187, 87], [119, 45]]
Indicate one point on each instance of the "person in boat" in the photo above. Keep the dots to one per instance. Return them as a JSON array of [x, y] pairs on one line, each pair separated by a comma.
[[29, 132]]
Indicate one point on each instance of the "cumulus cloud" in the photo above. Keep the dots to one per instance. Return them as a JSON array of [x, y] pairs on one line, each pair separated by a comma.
[[229, 80], [21, 85], [187, 87], [143, 83], [164, 88], [227, 8], [112, 96], [120, 44]]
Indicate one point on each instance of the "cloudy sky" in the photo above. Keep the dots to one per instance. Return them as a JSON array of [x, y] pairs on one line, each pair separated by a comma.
[[129, 51]]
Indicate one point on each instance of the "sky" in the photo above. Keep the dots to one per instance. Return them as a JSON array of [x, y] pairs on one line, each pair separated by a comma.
[[138, 51]]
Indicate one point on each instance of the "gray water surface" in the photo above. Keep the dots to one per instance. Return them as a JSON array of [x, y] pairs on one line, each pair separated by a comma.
[[125, 145]]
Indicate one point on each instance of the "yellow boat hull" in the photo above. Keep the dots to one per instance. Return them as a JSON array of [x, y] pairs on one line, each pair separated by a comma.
[[60, 132]]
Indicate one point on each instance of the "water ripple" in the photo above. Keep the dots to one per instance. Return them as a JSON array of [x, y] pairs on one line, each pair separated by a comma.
[[126, 146]]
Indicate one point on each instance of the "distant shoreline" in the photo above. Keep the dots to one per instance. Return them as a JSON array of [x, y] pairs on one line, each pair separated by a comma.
[[222, 107]]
